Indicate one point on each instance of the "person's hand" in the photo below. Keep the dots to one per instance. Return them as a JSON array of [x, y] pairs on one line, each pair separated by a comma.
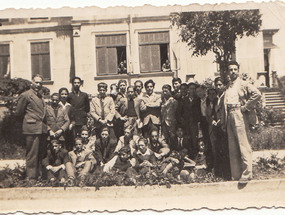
[[58, 133], [51, 133], [158, 156], [101, 163], [54, 169], [243, 109], [79, 164], [103, 121], [214, 123], [70, 127], [123, 118]]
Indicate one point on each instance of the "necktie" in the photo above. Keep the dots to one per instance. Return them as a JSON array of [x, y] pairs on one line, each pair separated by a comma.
[[102, 108], [180, 142]]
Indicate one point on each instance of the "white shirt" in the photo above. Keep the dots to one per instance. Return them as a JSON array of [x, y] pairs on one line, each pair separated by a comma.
[[203, 106], [231, 95]]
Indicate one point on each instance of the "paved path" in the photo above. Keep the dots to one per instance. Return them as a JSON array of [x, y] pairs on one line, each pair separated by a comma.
[[267, 193]]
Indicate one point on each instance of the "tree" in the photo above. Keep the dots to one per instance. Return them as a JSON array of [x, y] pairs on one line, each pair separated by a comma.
[[216, 31]]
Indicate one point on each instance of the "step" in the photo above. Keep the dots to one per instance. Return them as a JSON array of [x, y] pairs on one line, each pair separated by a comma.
[[271, 93], [275, 101], [274, 98]]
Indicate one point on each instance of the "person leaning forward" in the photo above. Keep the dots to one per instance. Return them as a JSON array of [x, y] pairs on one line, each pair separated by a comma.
[[240, 100], [32, 109]]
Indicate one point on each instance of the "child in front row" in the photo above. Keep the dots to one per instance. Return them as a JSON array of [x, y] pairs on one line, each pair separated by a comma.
[[55, 162], [82, 160]]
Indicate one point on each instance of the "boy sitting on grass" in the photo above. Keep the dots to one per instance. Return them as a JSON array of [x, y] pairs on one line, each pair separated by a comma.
[[55, 162], [82, 160], [145, 158], [196, 167]]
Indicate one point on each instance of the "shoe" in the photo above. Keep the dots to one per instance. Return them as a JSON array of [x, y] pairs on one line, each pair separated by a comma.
[[244, 180], [70, 182]]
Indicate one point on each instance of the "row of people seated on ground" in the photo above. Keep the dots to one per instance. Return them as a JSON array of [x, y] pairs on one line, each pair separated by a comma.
[[131, 154]]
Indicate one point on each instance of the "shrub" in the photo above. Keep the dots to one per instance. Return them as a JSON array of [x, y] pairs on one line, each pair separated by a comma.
[[267, 137], [269, 116]]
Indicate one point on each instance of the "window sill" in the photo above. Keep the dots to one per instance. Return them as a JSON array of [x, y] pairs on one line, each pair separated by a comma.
[[48, 82], [131, 75]]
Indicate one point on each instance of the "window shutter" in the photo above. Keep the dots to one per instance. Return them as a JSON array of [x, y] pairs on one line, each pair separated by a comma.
[[106, 61], [153, 38], [41, 59], [4, 59]]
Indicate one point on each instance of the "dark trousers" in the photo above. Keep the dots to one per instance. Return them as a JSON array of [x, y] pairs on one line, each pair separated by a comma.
[[36, 150], [207, 142], [192, 131], [56, 175]]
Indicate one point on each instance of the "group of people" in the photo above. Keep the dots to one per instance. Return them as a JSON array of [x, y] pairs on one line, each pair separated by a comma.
[[189, 128]]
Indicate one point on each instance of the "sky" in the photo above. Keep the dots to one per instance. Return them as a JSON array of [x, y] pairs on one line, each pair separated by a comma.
[[4, 4]]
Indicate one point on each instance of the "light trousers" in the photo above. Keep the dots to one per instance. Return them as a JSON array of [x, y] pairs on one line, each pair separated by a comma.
[[240, 152]]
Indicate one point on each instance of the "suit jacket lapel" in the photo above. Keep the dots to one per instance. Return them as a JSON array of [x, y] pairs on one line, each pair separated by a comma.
[[39, 102], [51, 111]]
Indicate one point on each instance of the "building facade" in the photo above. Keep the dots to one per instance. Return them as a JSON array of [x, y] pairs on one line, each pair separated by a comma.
[[127, 43]]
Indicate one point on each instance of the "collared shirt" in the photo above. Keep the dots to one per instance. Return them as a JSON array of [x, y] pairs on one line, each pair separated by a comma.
[[231, 95], [64, 106]]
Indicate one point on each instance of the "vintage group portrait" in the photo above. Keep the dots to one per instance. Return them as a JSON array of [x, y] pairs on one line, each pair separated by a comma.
[[142, 108]]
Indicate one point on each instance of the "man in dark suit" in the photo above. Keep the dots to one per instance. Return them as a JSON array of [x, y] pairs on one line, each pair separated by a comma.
[[80, 102], [128, 110], [181, 142], [32, 109], [57, 119], [190, 113]]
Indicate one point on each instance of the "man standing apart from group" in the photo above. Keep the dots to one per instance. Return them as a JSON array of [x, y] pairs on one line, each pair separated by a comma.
[[32, 108], [80, 103], [240, 99]]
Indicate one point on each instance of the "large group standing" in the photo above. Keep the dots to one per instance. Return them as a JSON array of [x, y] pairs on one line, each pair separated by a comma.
[[192, 127]]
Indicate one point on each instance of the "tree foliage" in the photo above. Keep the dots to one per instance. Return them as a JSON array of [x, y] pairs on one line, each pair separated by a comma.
[[216, 31]]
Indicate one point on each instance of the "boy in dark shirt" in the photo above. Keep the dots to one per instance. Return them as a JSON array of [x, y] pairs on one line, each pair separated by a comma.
[[55, 161]]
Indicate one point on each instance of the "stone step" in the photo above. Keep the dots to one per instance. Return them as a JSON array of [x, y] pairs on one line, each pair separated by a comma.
[[272, 93], [274, 98], [275, 101]]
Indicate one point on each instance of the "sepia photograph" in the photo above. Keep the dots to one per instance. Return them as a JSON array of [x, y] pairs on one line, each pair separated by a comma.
[[147, 107]]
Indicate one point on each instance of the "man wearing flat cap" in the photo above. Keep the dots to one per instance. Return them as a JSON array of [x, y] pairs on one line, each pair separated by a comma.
[[102, 109]]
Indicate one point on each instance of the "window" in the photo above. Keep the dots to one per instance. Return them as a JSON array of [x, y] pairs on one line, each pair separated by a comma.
[[4, 60], [154, 51], [40, 55], [111, 54]]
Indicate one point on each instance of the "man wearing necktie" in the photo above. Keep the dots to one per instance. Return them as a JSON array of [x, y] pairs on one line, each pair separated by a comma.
[[102, 109], [240, 100], [31, 108]]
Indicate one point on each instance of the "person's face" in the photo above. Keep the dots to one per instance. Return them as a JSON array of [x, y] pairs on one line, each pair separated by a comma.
[[149, 88], [191, 90], [219, 87], [176, 86], [154, 136], [179, 132], [102, 92], [37, 83], [54, 100], [78, 145], [233, 72], [122, 87], [201, 92], [127, 132], [55, 147], [138, 87], [131, 93], [166, 92], [201, 146], [104, 135], [76, 84], [63, 95], [124, 156], [212, 95], [184, 90], [84, 134], [142, 146]]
